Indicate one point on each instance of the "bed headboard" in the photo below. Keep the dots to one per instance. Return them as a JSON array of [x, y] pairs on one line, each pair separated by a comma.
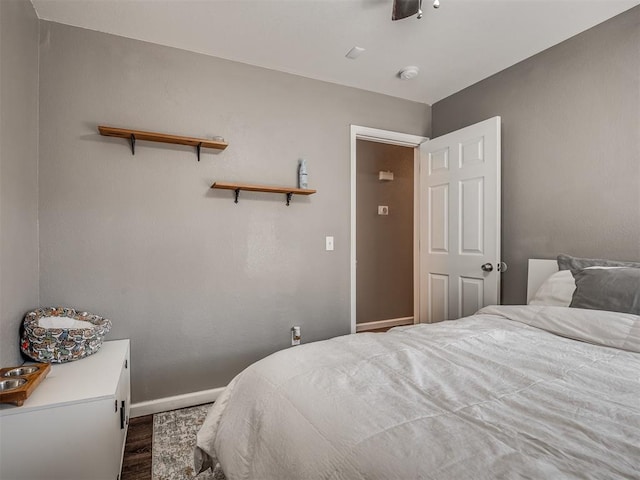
[[539, 271]]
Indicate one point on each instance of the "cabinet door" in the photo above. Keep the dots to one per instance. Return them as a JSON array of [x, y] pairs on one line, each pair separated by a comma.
[[123, 402], [71, 442]]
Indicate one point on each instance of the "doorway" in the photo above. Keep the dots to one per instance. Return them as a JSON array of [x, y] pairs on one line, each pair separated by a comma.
[[379, 298], [384, 244]]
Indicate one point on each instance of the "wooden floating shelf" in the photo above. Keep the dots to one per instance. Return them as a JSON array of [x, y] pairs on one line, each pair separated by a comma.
[[133, 135], [262, 188], [288, 191]]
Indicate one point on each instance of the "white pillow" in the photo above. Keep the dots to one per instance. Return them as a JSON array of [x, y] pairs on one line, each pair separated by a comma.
[[555, 291]]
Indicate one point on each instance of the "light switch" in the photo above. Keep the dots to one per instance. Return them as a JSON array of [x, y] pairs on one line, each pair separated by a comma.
[[328, 244]]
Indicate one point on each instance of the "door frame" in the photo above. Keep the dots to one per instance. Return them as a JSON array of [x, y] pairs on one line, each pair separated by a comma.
[[393, 138]]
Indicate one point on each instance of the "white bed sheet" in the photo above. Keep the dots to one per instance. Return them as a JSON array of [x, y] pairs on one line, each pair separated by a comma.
[[489, 396]]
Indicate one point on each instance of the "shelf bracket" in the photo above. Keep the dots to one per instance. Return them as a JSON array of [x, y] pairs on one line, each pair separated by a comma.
[[132, 139], [289, 195], [237, 192], [198, 147]]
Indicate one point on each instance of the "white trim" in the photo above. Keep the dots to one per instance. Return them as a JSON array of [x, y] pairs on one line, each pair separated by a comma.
[[391, 322], [388, 136], [394, 138], [172, 403], [416, 235]]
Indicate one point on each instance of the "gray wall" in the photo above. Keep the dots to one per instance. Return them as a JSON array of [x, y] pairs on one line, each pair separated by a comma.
[[202, 286], [18, 171], [384, 243], [571, 147]]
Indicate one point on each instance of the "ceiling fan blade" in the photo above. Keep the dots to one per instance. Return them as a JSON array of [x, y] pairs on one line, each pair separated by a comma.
[[404, 8]]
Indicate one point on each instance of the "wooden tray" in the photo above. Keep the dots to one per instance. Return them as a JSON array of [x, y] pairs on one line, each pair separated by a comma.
[[20, 394]]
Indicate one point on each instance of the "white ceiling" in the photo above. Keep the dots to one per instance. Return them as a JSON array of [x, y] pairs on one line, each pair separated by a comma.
[[454, 46]]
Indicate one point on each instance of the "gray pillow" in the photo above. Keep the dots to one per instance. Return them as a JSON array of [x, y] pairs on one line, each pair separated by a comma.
[[567, 262], [613, 289]]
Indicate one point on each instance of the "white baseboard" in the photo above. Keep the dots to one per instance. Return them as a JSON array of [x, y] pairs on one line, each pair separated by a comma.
[[391, 322], [172, 403]]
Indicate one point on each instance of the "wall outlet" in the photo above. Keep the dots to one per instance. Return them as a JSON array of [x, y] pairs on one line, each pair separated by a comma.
[[295, 335], [383, 210]]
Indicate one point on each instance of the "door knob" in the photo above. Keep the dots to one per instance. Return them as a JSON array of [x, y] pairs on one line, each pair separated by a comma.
[[487, 267]]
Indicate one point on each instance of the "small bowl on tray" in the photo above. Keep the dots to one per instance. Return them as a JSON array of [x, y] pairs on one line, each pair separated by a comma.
[[17, 383]]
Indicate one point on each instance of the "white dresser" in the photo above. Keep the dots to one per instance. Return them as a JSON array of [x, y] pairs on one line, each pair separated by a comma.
[[74, 424]]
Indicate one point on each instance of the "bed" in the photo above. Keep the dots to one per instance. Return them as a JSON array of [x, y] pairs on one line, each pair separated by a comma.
[[544, 390]]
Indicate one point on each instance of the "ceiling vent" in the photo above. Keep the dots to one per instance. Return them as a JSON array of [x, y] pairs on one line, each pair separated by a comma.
[[354, 53]]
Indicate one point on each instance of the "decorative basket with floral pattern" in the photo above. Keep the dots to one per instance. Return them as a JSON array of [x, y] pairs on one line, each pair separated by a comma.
[[54, 343]]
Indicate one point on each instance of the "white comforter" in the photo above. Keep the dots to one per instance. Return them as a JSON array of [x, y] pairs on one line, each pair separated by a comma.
[[490, 396]]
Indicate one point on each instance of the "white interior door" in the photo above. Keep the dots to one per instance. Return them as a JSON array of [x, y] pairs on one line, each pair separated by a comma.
[[460, 222]]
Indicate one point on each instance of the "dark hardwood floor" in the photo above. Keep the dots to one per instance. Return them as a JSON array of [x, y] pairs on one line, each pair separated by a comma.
[[377, 330], [384, 329], [136, 464]]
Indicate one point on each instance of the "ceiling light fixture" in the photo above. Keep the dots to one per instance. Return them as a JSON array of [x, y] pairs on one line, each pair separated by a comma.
[[406, 8], [407, 73]]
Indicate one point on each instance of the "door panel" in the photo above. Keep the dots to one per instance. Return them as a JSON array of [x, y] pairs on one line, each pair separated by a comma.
[[472, 152], [438, 297], [460, 196], [438, 219], [471, 295], [471, 216], [438, 161]]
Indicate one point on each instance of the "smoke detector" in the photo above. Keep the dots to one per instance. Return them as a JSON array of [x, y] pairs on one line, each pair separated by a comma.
[[407, 73]]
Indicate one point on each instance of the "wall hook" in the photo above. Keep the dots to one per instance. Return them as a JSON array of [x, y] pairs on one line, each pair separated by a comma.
[[132, 139], [237, 191], [289, 195], [198, 147]]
